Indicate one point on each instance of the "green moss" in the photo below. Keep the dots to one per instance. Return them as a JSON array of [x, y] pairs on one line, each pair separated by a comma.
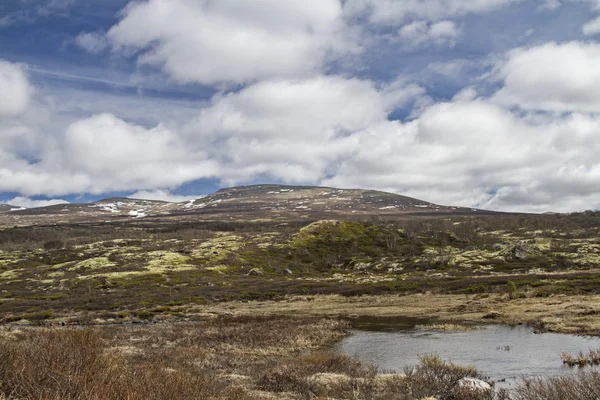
[[217, 249], [92, 264], [162, 261], [11, 275]]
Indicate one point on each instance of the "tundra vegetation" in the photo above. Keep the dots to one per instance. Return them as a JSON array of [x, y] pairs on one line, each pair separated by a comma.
[[212, 302]]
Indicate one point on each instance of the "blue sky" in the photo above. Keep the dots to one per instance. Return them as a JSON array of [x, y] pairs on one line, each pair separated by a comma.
[[487, 103]]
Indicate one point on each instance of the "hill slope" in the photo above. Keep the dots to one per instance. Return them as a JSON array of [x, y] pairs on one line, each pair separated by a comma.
[[8, 207], [273, 202]]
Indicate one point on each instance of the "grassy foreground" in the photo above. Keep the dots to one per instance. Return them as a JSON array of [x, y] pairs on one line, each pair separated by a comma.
[[241, 358], [247, 309], [224, 358]]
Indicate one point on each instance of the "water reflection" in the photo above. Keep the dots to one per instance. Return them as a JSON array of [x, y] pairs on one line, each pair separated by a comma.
[[502, 353]]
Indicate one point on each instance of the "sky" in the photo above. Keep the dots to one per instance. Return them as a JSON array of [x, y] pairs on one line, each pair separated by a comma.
[[492, 104]]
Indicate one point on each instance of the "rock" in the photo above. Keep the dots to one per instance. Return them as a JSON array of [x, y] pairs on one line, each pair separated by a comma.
[[520, 252], [474, 384], [498, 247], [256, 272]]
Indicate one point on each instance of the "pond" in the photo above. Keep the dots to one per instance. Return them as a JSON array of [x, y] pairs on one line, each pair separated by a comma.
[[503, 353]]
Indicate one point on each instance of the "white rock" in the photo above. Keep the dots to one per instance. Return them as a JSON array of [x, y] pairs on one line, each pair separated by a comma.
[[474, 383]]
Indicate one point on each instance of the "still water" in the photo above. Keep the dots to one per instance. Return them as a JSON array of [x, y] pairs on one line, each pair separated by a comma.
[[502, 353]]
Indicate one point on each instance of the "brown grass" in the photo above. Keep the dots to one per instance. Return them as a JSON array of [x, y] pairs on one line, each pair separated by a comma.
[[243, 358], [581, 359], [584, 386], [566, 314], [70, 364]]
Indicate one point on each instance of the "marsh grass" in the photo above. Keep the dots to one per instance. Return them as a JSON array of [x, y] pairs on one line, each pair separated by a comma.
[[242, 358], [592, 357], [448, 327], [583, 386]]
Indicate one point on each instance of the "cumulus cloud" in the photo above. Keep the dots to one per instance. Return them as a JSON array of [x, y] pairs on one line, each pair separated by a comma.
[[557, 77], [26, 202], [476, 153], [229, 41], [116, 155], [92, 42], [161, 195], [101, 154], [393, 12], [419, 33], [16, 91], [592, 27], [292, 130]]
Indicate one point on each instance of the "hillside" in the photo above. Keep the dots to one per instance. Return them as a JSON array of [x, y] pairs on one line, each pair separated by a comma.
[[243, 203], [8, 207]]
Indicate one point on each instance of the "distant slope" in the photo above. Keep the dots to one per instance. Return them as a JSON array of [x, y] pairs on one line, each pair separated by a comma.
[[256, 202], [278, 199], [8, 207]]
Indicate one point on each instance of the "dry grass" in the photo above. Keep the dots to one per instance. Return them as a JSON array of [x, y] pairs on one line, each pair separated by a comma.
[[592, 357], [69, 364], [565, 314], [448, 327], [243, 358], [584, 386]]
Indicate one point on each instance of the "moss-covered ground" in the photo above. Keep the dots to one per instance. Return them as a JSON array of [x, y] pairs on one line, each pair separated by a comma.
[[151, 271]]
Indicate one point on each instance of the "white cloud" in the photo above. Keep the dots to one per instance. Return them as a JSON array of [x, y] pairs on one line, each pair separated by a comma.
[[550, 5], [92, 42], [293, 130], [592, 27], [419, 33], [161, 195], [15, 92], [229, 41], [552, 77], [117, 155], [394, 12], [26, 202], [475, 153]]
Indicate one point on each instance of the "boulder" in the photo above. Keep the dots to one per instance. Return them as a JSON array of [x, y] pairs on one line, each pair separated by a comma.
[[474, 384], [521, 252]]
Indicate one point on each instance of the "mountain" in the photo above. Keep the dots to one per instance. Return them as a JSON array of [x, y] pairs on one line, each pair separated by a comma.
[[256, 202], [277, 200]]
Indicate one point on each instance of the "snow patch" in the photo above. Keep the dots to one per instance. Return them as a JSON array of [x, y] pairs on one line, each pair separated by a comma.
[[137, 213]]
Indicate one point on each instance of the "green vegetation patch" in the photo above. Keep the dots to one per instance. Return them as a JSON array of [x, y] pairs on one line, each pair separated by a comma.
[[92, 264]]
